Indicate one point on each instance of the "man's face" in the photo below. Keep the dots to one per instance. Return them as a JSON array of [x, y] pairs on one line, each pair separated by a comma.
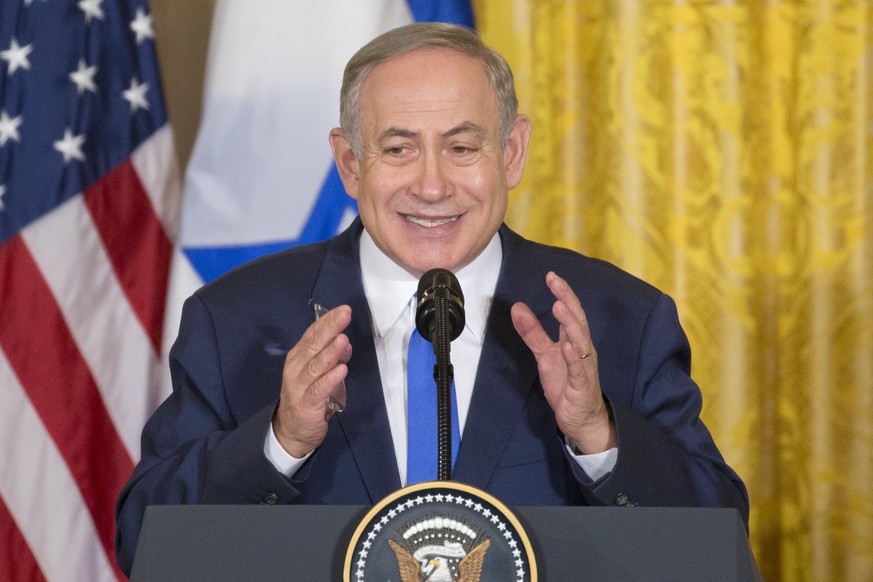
[[432, 182]]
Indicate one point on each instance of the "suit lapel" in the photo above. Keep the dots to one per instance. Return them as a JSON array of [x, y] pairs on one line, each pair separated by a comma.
[[365, 420], [507, 369]]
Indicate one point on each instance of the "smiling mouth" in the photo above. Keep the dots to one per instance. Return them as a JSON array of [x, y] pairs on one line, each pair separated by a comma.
[[428, 222]]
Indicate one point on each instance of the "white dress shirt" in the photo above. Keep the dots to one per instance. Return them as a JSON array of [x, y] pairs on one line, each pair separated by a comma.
[[390, 292]]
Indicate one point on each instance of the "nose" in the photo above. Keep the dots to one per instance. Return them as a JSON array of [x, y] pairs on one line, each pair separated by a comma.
[[430, 183]]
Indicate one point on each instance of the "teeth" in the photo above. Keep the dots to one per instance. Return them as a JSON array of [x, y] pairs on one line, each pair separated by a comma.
[[430, 223]]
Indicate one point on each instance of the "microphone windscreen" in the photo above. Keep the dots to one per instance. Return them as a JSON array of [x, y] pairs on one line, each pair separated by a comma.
[[439, 282]]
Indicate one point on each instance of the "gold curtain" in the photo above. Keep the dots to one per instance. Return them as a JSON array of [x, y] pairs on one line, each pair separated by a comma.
[[723, 151]]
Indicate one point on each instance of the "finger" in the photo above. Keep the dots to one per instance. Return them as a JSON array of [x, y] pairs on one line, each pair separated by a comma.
[[574, 332], [579, 365], [565, 295], [562, 291], [306, 367], [336, 400], [569, 313], [530, 329], [327, 327], [314, 399], [328, 384], [346, 353], [319, 336]]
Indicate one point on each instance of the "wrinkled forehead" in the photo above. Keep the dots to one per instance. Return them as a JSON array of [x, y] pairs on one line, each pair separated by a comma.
[[429, 82]]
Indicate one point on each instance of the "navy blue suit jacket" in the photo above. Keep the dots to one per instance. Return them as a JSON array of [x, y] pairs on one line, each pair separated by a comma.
[[205, 442]]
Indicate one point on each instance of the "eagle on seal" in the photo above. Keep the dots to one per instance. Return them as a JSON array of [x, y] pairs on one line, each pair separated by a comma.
[[437, 570]]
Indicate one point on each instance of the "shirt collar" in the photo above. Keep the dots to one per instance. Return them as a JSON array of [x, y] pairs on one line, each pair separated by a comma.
[[389, 287]]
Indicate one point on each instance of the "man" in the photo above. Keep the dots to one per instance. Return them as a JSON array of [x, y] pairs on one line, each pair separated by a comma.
[[557, 405]]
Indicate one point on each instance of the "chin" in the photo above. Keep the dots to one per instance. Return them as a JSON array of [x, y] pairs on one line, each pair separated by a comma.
[[419, 267], [418, 257]]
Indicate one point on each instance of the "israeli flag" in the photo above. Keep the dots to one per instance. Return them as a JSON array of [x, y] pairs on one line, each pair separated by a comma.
[[261, 177]]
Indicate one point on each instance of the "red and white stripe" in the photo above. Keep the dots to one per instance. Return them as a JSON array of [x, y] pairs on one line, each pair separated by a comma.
[[82, 303]]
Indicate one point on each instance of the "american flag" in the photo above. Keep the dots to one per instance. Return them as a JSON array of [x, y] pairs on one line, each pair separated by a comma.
[[89, 201]]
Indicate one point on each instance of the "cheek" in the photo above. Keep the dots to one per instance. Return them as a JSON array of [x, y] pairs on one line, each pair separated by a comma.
[[489, 190], [369, 200], [483, 179], [378, 187]]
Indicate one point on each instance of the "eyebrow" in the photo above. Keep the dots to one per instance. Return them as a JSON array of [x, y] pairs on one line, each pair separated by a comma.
[[396, 132], [466, 127]]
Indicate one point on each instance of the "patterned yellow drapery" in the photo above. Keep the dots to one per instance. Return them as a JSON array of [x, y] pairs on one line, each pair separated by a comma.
[[723, 151]]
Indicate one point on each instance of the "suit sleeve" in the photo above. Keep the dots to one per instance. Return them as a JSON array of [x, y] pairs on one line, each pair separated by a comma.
[[666, 456], [193, 449]]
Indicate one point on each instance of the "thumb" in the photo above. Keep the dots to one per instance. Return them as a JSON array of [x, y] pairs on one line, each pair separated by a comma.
[[529, 328]]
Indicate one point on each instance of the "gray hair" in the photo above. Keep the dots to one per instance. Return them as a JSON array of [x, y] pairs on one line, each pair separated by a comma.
[[419, 36]]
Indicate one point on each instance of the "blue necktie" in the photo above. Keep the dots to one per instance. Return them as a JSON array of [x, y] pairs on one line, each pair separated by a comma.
[[421, 404]]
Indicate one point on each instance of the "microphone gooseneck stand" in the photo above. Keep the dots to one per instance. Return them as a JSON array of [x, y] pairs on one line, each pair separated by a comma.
[[440, 319], [443, 373]]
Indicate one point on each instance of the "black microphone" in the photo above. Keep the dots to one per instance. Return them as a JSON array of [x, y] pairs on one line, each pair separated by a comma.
[[436, 285]]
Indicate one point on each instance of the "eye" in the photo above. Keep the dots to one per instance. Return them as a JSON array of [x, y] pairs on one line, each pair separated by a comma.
[[463, 153], [397, 150]]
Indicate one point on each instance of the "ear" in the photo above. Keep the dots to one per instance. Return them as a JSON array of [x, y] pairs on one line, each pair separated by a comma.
[[515, 152], [346, 162]]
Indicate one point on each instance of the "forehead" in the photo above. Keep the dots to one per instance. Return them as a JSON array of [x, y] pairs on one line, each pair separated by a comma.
[[425, 83]]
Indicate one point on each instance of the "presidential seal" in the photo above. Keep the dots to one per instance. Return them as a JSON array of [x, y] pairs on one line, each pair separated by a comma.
[[440, 531]]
